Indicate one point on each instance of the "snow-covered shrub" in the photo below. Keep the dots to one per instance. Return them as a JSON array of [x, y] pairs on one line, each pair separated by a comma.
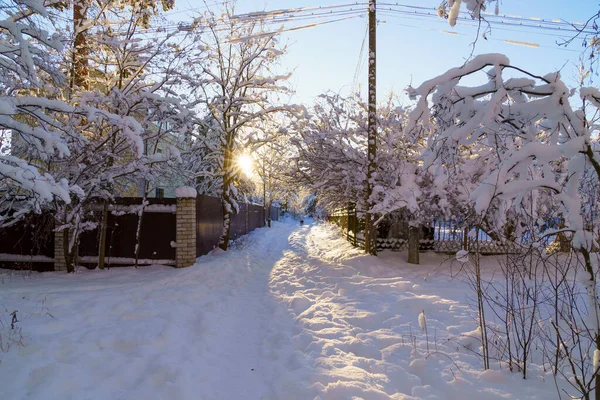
[[331, 142], [522, 150]]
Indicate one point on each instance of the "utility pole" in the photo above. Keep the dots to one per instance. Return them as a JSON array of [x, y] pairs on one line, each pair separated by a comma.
[[264, 179], [80, 49], [370, 231]]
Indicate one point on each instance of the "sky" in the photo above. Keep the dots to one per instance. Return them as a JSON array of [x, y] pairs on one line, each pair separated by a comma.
[[411, 50]]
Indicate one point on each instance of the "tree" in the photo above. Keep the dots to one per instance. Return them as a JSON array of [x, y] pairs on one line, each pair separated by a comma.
[[237, 83], [332, 157], [331, 150], [589, 34], [70, 148], [45, 131], [532, 143], [272, 167], [131, 74], [25, 61], [82, 23]]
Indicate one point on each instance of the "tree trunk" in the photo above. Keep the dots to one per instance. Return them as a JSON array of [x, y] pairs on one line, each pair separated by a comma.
[[68, 251], [265, 202], [563, 241], [355, 226], [226, 201], [227, 214]]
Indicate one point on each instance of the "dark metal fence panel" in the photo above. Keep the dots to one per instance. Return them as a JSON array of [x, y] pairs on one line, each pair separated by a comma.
[[209, 223], [256, 217], [35, 236], [274, 213], [158, 232], [32, 238], [239, 222]]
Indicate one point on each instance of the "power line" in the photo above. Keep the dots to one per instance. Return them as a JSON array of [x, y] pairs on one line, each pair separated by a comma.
[[297, 28], [402, 8], [276, 20], [266, 14], [454, 33], [512, 21], [360, 58], [204, 7], [224, 27], [389, 9], [314, 16], [474, 24], [488, 15]]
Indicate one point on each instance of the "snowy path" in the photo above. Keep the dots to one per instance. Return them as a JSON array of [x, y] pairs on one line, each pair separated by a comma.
[[289, 313]]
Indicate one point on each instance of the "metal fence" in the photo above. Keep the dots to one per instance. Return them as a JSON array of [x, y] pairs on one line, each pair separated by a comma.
[[346, 218], [209, 221], [158, 230], [275, 211], [30, 244], [441, 235]]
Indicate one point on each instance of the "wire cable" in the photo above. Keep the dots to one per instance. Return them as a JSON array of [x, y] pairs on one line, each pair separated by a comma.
[[360, 58]]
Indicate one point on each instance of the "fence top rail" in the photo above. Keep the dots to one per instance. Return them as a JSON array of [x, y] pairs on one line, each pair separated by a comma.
[[133, 201]]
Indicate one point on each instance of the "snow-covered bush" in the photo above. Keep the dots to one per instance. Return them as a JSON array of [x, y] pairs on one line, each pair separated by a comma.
[[524, 130], [522, 150], [331, 142]]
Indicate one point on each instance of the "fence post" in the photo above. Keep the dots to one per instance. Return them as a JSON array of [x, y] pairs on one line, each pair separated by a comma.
[[355, 225], [60, 263], [348, 219], [413, 244], [185, 253]]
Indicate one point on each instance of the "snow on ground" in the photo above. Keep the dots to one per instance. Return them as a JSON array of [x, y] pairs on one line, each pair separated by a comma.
[[289, 313]]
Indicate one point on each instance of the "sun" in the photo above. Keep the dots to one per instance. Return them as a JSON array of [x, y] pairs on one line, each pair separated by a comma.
[[246, 164]]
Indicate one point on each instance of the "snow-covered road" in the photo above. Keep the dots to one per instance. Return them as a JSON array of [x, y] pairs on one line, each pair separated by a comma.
[[289, 313]]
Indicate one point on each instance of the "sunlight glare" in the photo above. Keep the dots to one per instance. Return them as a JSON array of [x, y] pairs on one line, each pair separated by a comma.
[[246, 164]]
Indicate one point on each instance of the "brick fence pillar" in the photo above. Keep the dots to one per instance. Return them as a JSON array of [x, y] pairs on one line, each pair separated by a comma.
[[60, 264], [186, 227]]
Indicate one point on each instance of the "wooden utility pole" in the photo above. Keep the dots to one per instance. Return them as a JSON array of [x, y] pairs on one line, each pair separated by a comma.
[[370, 231], [264, 179], [80, 49]]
